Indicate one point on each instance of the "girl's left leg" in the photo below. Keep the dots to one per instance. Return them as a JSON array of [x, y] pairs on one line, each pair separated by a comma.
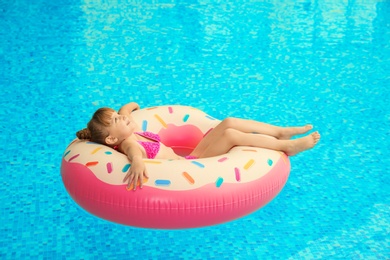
[[251, 126], [232, 137]]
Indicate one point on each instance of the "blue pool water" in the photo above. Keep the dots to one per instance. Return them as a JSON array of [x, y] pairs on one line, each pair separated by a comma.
[[282, 62]]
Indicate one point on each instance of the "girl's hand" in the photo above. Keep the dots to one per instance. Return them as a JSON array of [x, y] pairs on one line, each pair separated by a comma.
[[136, 173], [128, 109]]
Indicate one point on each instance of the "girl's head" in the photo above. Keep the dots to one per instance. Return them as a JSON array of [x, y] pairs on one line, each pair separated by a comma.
[[98, 128], [107, 127]]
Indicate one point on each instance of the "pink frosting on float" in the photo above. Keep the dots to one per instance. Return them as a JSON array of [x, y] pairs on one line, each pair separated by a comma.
[[163, 209], [182, 139]]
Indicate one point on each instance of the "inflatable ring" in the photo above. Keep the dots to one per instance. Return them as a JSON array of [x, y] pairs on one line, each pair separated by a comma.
[[178, 193]]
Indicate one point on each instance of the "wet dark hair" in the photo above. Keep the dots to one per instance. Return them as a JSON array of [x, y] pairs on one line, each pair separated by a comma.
[[96, 130]]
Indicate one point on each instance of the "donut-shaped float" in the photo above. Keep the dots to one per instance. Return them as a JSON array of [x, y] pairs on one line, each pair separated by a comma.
[[178, 193]]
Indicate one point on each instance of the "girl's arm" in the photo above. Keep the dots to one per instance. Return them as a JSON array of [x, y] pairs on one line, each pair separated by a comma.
[[137, 170], [128, 108]]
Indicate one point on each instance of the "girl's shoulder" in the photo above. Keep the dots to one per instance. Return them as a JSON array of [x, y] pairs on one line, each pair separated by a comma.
[[127, 143]]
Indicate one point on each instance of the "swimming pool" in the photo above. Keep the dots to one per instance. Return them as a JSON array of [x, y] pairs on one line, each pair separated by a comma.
[[278, 62]]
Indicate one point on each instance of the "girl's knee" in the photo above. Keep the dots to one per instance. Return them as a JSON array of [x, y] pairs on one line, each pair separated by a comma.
[[229, 122], [231, 136]]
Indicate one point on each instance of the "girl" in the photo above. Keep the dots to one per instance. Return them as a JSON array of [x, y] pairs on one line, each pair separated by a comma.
[[118, 130]]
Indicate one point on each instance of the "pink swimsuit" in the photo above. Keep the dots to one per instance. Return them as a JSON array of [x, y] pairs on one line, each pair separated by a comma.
[[151, 148]]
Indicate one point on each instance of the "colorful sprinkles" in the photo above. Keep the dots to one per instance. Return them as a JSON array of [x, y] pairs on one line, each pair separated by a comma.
[[218, 182], [198, 164], [160, 120], [126, 167], [144, 125], [270, 162], [162, 182], [185, 118], [89, 164], [66, 153], [188, 178], [152, 161], [109, 167], [95, 150], [237, 173], [249, 164], [222, 159], [249, 150], [74, 157], [145, 180]]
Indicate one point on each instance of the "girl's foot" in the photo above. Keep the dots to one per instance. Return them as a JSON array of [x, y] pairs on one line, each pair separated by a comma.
[[302, 144], [288, 132]]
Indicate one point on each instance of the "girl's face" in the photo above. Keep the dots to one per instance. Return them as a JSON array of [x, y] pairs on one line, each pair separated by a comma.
[[120, 128]]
